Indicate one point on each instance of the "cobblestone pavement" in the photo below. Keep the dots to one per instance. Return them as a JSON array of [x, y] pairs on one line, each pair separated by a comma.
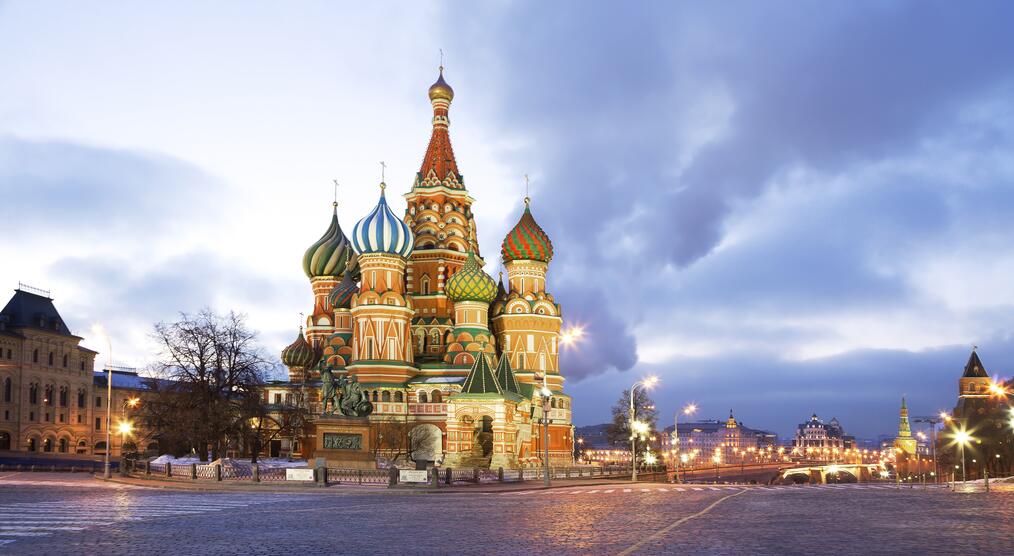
[[74, 514]]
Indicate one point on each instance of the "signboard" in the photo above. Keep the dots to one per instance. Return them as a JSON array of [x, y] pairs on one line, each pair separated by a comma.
[[412, 476], [299, 474], [340, 441]]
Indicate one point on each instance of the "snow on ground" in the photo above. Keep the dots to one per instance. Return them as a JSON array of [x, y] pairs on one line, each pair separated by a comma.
[[231, 462]]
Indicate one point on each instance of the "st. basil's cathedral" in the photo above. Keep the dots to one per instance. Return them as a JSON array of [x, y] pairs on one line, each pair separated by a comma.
[[405, 309]]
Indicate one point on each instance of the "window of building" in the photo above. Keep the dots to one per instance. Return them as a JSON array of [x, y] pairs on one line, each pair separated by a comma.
[[32, 445], [63, 396], [80, 418], [49, 395], [81, 398], [424, 285], [82, 365], [98, 401], [7, 415], [7, 389], [288, 399], [33, 394], [50, 364], [31, 415], [35, 356], [98, 423], [399, 397], [47, 445], [436, 397], [63, 445], [385, 397], [422, 397], [278, 399], [66, 360], [375, 396]]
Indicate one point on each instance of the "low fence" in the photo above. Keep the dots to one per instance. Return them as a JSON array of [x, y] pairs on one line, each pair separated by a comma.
[[441, 476], [52, 468]]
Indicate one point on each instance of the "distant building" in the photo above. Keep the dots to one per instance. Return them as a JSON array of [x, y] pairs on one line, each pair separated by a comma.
[[905, 441], [728, 439], [51, 401], [816, 435]]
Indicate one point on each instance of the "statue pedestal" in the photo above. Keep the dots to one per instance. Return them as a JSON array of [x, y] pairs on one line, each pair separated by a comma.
[[344, 442]]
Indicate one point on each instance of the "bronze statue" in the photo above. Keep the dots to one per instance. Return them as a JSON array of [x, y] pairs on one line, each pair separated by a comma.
[[344, 394], [328, 392]]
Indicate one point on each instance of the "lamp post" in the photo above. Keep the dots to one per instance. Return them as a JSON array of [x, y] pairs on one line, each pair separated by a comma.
[[688, 410], [646, 383], [546, 396], [933, 422], [109, 408], [962, 437]]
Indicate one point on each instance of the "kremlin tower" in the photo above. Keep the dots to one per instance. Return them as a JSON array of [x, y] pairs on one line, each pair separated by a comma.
[[406, 309]]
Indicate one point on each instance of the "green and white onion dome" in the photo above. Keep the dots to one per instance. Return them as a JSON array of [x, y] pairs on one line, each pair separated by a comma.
[[471, 283], [382, 232], [329, 256], [299, 353]]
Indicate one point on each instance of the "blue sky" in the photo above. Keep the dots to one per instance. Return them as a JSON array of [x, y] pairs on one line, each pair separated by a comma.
[[779, 208]]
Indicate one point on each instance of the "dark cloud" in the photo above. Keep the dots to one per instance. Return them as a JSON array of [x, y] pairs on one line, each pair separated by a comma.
[[99, 192]]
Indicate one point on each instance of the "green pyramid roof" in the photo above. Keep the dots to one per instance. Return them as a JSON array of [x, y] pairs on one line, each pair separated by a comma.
[[481, 379], [505, 376]]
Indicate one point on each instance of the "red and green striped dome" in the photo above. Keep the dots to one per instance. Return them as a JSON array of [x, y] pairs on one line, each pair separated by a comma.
[[527, 241]]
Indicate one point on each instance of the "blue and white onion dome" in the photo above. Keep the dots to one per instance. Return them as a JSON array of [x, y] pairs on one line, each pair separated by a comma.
[[382, 232]]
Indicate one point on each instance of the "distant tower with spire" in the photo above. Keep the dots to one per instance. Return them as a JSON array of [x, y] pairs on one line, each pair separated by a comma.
[[905, 441]]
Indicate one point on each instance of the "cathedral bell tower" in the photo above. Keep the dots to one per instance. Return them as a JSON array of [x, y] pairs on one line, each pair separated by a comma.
[[439, 212]]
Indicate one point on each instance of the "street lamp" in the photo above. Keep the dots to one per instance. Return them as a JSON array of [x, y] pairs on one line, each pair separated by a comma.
[[109, 408], [646, 383], [546, 395], [962, 438], [688, 410]]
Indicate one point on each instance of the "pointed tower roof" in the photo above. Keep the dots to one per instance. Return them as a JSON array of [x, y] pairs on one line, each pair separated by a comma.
[[731, 423], [974, 368], [904, 427], [505, 376], [481, 379], [439, 166]]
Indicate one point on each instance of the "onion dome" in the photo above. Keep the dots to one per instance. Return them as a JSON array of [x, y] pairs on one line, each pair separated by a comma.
[[441, 89], [341, 296], [299, 353], [382, 232], [330, 254], [527, 241], [471, 283]]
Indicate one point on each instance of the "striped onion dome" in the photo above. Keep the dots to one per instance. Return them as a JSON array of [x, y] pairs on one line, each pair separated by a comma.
[[330, 254], [341, 296], [382, 232], [471, 283], [299, 353], [526, 241]]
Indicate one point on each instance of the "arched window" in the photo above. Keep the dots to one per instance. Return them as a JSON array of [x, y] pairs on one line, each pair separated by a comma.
[[63, 396], [80, 398], [436, 397], [424, 285], [32, 445], [47, 445], [375, 396], [100, 448], [422, 397], [399, 397], [48, 399], [35, 356], [65, 360], [33, 394], [50, 359], [7, 389], [63, 445], [385, 396], [82, 364]]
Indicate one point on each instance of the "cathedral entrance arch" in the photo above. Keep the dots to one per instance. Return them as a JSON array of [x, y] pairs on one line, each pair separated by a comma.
[[426, 442]]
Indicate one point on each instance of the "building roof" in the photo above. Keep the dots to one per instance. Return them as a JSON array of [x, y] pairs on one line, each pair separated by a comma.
[[527, 240], [128, 380], [32, 310], [974, 368], [505, 376], [481, 379]]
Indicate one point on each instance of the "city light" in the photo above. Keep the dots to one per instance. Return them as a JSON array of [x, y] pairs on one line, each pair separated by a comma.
[[650, 459], [690, 409], [571, 335], [997, 389], [132, 402], [125, 427], [650, 381]]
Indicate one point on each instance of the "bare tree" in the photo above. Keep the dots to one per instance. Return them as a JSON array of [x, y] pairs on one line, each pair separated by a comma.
[[214, 371]]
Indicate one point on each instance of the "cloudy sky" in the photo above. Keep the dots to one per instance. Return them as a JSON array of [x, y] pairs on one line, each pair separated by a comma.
[[779, 208]]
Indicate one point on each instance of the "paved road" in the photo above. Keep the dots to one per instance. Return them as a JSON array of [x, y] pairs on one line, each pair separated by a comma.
[[73, 514]]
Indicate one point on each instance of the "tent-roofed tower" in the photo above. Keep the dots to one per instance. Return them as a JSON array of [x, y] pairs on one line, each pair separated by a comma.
[[439, 212]]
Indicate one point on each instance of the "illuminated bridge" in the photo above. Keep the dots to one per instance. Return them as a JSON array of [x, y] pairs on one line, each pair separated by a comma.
[[833, 472]]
